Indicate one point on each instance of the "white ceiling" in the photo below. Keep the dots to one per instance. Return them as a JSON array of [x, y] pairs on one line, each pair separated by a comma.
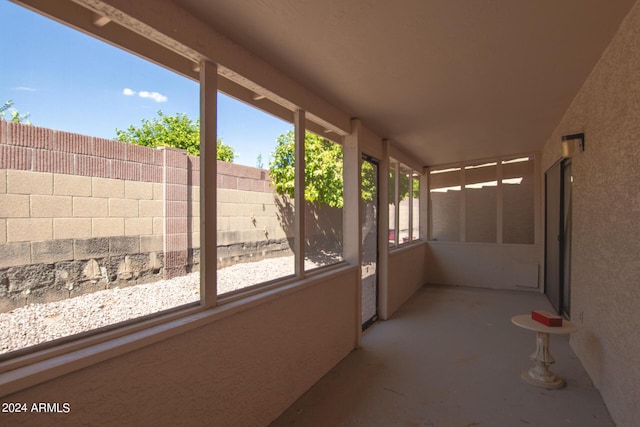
[[448, 80]]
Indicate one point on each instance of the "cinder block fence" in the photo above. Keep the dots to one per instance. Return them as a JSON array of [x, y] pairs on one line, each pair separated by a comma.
[[80, 213]]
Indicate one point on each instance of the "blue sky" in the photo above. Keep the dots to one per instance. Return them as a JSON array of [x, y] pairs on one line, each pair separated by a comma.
[[69, 81]]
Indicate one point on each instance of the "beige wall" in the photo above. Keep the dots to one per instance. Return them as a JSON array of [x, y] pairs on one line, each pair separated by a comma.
[[247, 216], [243, 370], [41, 206], [486, 264], [406, 275], [516, 267], [605, 259]]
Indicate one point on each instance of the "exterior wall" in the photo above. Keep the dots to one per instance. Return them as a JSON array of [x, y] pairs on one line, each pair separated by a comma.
[[40, 206], [64, 235], [605, 265], [77, 214], [242, 370], [253, 222]]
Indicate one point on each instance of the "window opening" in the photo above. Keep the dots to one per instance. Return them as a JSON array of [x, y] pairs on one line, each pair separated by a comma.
[[255, 198], [393, 203], [323, 201], [518, 201], [404, 204], [445, 193], [415, 206], [481, 203], [369, 267], [98, 215]]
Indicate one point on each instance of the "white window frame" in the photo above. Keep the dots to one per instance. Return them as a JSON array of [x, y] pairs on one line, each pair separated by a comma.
[[36, 364], [462, 166]]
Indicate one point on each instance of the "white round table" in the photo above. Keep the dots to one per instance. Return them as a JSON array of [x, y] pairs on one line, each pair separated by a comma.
[[540, 375]]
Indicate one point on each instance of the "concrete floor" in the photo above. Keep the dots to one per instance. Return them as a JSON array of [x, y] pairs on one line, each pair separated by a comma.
[[451, 357]]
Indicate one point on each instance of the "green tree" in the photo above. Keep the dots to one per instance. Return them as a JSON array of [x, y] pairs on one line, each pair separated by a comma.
[[177, 131], [16, 117], [323, 171], [403, 185]]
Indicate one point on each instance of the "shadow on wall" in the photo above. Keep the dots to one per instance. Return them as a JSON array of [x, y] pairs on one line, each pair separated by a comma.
[[285, 213], [593, 364], [323, 228]]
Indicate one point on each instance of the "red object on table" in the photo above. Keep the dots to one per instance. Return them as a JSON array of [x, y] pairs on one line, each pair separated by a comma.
[[546, 318]]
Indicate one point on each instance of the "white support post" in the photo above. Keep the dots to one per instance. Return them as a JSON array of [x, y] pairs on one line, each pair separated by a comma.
[[299, 213], [383, 235], [499, 201], [396, 203], [208, 183], [538, 194], [411, 196], [463, 204], [424, 204], [351, 216]]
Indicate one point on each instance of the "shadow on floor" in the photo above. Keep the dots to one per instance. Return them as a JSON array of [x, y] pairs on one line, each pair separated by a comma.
[[451, 357]]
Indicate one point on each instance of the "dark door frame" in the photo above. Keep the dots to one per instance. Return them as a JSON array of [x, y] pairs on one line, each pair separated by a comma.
[[560, 301], [367, 323]]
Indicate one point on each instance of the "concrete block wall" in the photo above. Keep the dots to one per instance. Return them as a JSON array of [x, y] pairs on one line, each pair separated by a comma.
[[255, 223], [80, 213], [57, 245], [40, 206], [127, 214], [252, 220], [64, 235]]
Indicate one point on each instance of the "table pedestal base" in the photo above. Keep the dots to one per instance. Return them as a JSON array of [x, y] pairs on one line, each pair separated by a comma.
[[540, 375], [552, 383]]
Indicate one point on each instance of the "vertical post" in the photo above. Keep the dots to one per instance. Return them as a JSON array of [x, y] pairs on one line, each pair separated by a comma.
[[396, 196], [424, 204], [500, 198], [383, 238], [411, 196], [298, 192], [538, 195], [352, 215], [208, 182], [463, 204]]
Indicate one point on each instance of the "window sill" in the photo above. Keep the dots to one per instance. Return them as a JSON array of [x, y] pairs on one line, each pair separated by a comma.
[[406, 246], [445, 242], [37, 367]]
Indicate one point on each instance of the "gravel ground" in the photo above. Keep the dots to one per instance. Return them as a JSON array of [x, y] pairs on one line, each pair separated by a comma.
[[37, 323]]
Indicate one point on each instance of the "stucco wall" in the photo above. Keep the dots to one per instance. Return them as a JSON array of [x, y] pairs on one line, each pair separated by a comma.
[[406, 275], [243, 370], [492, 266], [605, 259]]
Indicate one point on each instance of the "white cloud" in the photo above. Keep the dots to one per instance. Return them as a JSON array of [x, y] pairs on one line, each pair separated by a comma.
[[24, 88], [158, 97]]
